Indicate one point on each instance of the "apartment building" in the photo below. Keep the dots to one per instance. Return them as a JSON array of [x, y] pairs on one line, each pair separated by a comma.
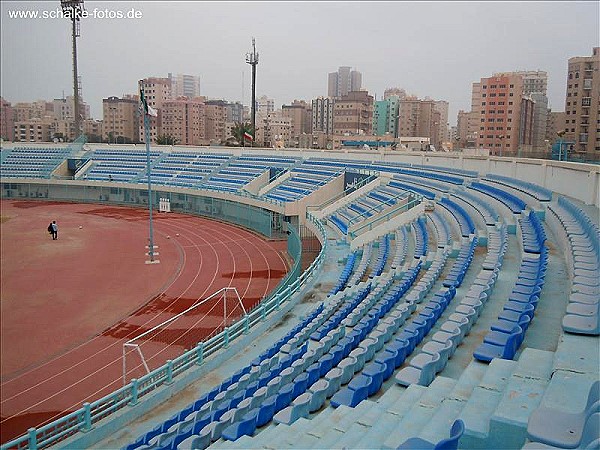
[[353, 114], [7, 121], [156, 91], [582, 106], [505, 115], [299, 113], [419, 118], [215, 120], [121, 118], [34, 130], [322, 115], [184, 120], [385, 116], [184, 85]]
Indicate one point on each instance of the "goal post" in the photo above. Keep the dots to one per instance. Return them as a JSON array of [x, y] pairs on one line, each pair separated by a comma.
[[134, 345]]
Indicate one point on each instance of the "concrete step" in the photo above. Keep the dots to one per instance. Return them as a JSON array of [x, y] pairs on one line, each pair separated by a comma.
[[523, 394], [449, 410], [420, 413], [390, 414], [340, 423], [483, 401], [370, 417]]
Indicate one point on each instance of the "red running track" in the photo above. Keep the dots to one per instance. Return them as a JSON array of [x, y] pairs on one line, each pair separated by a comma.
[[67, 306]]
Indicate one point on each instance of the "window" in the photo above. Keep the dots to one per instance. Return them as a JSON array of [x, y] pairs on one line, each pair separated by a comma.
[[510, 103], [492, 103], [511, 86], [508, 129], [502, 86], [493, 86], [510, 111], [492, 94], [510, 95], [576, 74], [483, 103], [483, 95]]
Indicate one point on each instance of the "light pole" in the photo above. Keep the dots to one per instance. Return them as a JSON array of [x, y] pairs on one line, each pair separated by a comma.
[[560, 143], [501, 138]]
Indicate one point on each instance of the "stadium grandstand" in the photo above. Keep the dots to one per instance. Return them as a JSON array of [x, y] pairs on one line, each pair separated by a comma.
[[428, 300]]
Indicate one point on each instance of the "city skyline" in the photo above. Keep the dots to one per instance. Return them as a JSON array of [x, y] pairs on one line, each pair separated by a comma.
[[430, 49]]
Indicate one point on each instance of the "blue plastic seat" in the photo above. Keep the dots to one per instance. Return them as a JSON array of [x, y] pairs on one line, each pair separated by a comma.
[[487, 351], [451, 443], [351, 395], [266, 411]]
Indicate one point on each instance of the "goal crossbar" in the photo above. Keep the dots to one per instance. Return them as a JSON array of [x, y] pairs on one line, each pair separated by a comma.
[[132, 343]]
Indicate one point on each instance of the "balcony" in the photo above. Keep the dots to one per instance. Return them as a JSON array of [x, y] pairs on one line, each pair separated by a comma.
[[583, 138]]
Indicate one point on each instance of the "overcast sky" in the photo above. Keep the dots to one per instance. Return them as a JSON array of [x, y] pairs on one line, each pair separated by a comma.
[[435, 49]]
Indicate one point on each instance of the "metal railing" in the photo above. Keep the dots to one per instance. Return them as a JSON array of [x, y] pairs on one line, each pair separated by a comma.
[[384, 217], [84, 418]]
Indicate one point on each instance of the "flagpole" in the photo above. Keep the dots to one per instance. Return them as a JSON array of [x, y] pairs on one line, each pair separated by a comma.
[[147, 136]]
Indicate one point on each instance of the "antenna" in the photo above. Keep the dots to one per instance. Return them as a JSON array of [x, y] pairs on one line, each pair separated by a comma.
[[72, 9], [252, 59]]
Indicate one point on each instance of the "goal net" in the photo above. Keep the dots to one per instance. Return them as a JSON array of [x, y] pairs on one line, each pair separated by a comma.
[[183, 331]]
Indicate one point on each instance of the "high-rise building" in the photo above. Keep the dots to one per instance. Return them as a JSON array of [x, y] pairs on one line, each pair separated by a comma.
[[7, 121], [121, 119], [156, 91], [385, 116], [184, 85], [215, 119], [274, 130], [264, 106], [419, 118], [467, 127], [299, 113], [34, 130], [505, 115], [64, 108], [353, 114], [93, 129], [582, 106], [441, 106], [234, 112], [535, 86], [534, 81], [322, 115], [343, 81], [183, 120]]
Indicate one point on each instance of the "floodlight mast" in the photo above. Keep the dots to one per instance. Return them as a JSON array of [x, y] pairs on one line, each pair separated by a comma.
[[252, 59], [72, 9]]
